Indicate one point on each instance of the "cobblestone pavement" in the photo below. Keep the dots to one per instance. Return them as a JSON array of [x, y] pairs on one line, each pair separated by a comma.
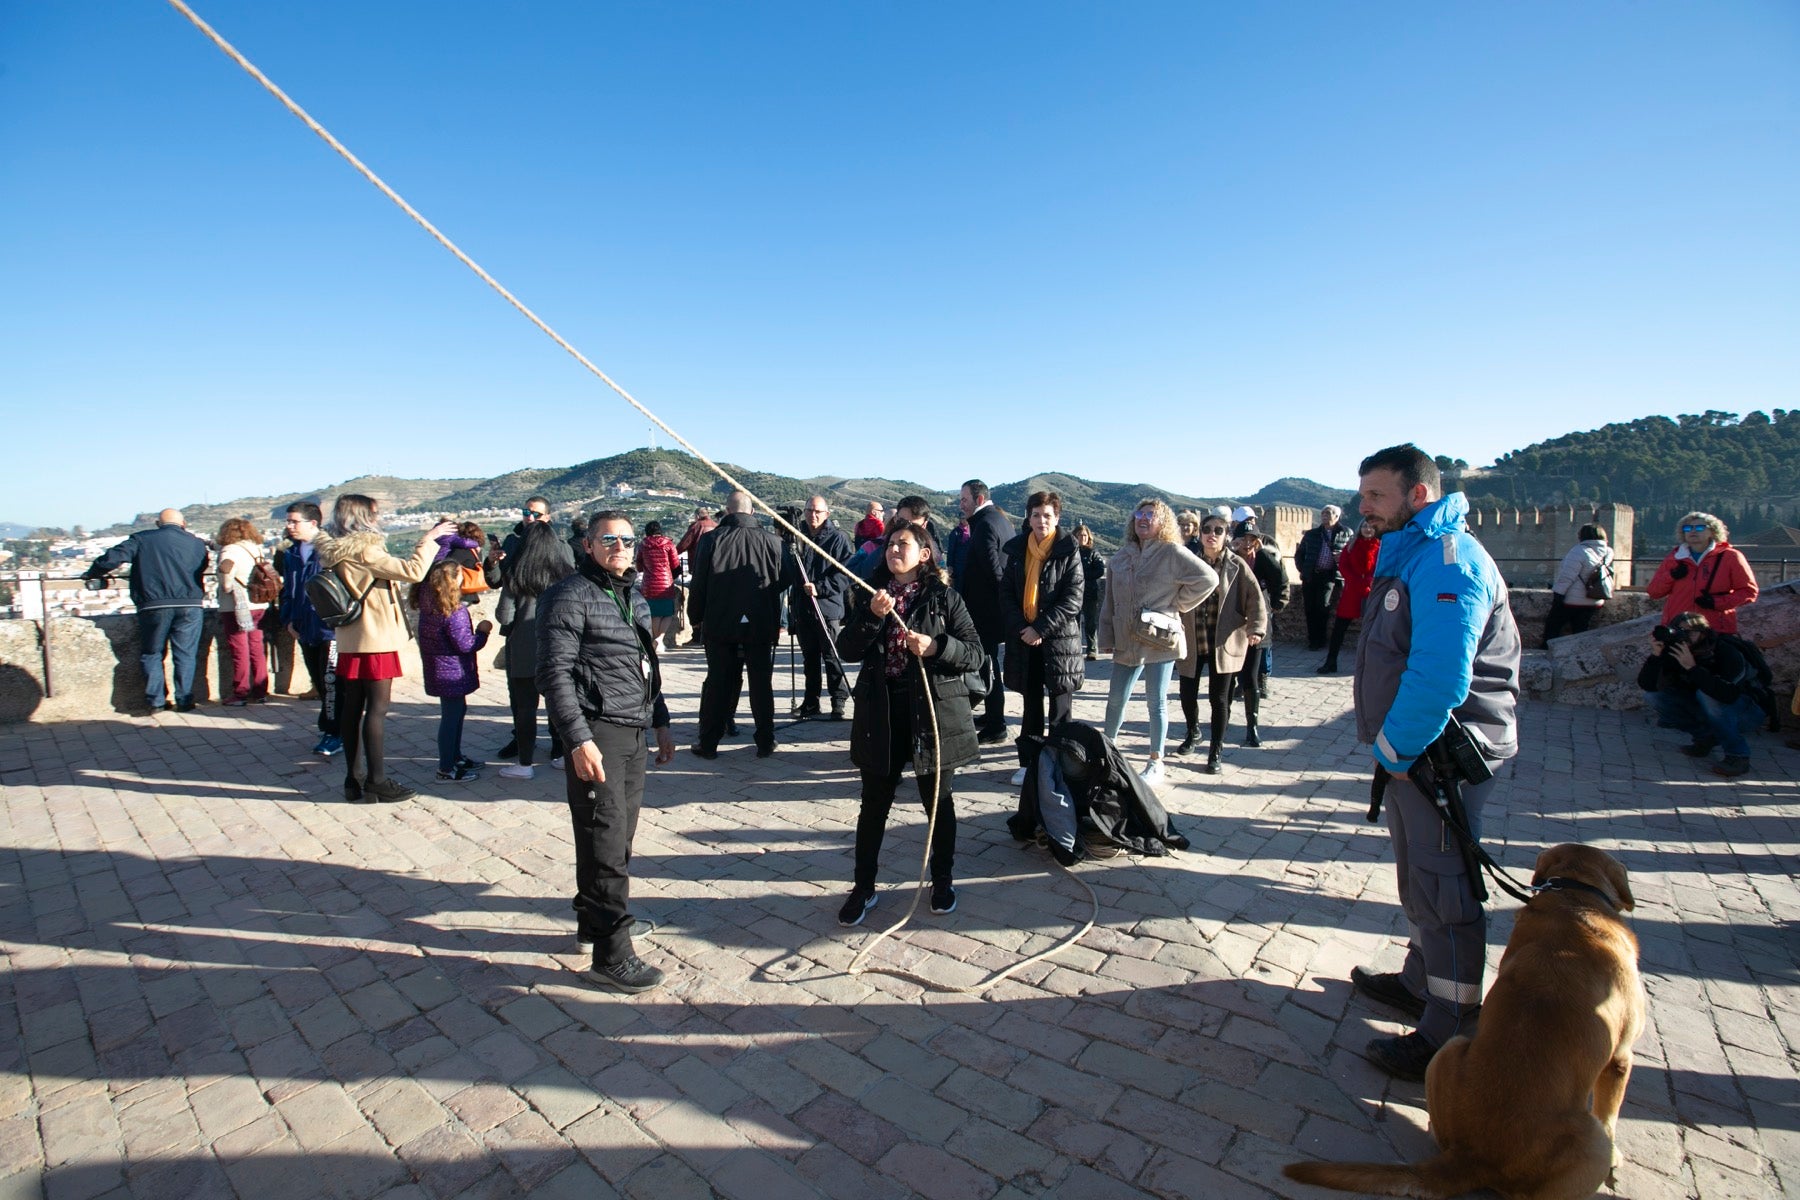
[[221, 980]]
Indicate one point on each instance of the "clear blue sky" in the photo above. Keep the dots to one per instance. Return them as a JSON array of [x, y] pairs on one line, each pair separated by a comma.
[[1196, 245]]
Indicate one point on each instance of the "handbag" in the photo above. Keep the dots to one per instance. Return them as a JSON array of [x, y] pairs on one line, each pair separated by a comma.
[[980, 682], [1157, 630]]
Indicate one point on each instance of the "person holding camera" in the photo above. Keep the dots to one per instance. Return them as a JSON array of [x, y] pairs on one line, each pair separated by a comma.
[[1706, 686], [1705, 573], [1438, 643]]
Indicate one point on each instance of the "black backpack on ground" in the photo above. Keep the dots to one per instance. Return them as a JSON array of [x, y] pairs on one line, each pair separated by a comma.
[[1761, 685]]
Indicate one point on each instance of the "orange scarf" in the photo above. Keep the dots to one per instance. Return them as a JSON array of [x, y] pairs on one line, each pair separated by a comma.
[[1037, 549]]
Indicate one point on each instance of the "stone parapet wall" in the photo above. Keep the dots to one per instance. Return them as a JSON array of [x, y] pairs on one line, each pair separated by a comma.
[[95, 666]]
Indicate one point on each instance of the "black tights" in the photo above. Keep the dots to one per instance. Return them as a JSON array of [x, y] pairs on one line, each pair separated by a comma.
[[362, 719], [1218, 695]]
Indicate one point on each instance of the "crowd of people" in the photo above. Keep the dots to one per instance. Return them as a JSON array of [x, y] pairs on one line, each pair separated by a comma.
[[941, 620]]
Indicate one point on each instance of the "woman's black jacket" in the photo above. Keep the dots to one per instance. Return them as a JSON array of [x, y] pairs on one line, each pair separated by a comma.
[[1059, 598], [1093, 574], [939, 613]]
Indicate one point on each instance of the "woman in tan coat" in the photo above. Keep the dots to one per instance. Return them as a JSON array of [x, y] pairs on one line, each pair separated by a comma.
[[240, 620], [369, 647], [1150, 582], [1221, 633]]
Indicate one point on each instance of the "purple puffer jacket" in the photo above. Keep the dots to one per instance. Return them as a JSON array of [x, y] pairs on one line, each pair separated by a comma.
[[447, 647]]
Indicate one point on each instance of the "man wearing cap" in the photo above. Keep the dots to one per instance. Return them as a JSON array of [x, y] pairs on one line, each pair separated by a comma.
[[1317, 559]]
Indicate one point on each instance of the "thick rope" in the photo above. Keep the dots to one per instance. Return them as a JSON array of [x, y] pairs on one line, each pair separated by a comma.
[[437, 235]]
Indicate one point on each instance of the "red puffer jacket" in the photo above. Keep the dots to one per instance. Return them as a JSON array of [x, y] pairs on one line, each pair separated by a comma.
[[657, 565], [1357, 565], [1723, 577]]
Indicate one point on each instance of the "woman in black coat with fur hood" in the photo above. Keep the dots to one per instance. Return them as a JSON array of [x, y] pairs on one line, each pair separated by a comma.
[[1043, 620], [893, 719]]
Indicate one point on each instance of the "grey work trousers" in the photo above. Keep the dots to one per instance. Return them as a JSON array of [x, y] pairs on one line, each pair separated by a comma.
[[1446, 950]]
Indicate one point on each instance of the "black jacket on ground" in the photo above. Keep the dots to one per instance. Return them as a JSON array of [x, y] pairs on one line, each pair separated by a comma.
[[1108, 795], [168, 567], [1059, 598], [989, 531], [830, 583], [1273, 578], [940, 613], [592, 665], [739, 571]]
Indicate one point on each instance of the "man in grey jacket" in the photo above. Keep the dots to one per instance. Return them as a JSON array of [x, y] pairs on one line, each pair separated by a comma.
[[1438, 642]]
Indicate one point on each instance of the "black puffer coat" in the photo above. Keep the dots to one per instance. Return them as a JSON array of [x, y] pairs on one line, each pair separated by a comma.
[[939, 612], [1059, 598], [592, 665]]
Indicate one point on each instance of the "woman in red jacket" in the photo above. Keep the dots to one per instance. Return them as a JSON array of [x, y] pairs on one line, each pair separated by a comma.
[[1357, 565], [1705, 573], [658, 564]]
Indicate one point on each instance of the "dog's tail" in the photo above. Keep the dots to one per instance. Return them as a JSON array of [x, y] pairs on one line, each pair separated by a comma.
[[1447, 1175]]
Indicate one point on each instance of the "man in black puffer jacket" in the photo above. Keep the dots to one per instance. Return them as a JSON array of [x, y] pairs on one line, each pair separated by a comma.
[[602, 686], [1042, 622], [739, 570]]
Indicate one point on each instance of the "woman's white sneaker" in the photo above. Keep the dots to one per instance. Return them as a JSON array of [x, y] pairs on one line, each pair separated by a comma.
[[1153, 774], [512, 771]]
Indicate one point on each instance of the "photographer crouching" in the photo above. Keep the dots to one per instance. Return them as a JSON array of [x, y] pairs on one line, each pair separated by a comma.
[[1706, 684]]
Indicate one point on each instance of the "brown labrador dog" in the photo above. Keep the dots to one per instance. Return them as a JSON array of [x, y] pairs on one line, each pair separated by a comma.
[[1510, 1106]]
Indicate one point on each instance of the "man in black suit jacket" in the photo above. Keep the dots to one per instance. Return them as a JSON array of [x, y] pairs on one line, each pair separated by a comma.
[[989, 530]]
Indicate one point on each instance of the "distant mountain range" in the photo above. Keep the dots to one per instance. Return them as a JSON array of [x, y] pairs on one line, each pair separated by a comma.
[[590, 485]]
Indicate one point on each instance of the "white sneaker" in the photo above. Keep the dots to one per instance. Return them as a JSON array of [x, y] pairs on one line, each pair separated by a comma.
[[1153, 774], [1018, 777], [556, 764], [514, 771]]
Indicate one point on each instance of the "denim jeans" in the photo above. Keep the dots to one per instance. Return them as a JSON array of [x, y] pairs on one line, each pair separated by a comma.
[[1156, 693], [1703, 717], [176, 629], [451, 711]]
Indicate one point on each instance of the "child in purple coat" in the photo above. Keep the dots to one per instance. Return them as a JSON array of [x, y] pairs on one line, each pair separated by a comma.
[[448, 643]]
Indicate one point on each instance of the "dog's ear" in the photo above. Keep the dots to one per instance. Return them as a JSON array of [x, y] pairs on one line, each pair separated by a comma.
[[1621, 883]]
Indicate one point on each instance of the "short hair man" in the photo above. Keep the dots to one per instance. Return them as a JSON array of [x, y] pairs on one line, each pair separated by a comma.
[[537, 509], [738, 571], [603, 687], [1320, 581], [1438, 643], [983, 564], [168, 586], [318, 645], [816, 609], [1704, 684]]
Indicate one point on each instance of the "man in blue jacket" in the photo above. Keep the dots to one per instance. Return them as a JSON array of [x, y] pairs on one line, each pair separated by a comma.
[[1438, 640], [168, 586], [317, 643]]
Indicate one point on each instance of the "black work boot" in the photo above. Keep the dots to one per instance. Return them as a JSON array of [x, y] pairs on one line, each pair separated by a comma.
[[1187, 743]]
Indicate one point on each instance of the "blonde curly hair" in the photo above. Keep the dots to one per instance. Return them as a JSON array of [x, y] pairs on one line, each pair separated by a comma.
[[1163, 531], [1719, 532]]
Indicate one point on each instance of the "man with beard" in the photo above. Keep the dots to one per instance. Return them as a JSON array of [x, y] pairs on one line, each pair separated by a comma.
[[1439, 643]]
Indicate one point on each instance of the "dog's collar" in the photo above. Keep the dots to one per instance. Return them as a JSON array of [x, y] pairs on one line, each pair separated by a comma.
[[1559, 884]]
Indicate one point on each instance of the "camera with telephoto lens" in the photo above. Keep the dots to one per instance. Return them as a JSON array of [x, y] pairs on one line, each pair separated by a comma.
[[1669, 637], [794, 515]]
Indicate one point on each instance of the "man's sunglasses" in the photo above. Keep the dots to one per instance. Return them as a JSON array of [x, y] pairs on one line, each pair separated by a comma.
[[617, 539], [532, 514]]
